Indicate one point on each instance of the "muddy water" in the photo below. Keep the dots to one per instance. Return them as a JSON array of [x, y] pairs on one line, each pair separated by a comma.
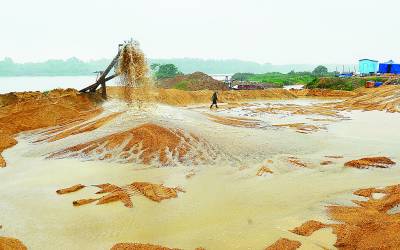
[[226, 206]]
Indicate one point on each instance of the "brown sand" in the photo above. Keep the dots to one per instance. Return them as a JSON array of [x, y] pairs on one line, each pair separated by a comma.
[[139, 246], [284, 244], [149, 141], [194, 81], [325, 163], [182, 98], [155, 192], [376, 162], [316, 109], [113, 193], [296, 162], [117, 195], [34, 110], [299, 127], [308, 228], [133, 71], [367, 226], [234, 121], [70, 189], [83, 202], [323, 93], [11, 244], [385, 98], [366, 192], [85, 127], [264, 170]]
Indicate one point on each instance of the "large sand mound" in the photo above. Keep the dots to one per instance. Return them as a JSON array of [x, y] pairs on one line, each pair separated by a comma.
[[194, 81], [34, 110], [148, 143]]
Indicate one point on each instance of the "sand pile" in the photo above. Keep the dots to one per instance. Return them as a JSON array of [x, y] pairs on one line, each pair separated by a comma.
[[385, 98], [182, 98], [194, 81], [33, 111], [139, 246], [284, 244], [133, 72], [373, 224], [376, 162], [113, 193], [11, 244], [147, 144]]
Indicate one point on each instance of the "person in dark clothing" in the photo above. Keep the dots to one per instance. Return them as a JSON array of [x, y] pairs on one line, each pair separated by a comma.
[[214, 100]]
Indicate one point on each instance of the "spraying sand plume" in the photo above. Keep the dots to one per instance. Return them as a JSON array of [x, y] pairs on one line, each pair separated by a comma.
[[133, 71]]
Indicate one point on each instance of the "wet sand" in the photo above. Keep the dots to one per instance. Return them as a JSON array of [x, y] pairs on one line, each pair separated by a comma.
[[225, 206]]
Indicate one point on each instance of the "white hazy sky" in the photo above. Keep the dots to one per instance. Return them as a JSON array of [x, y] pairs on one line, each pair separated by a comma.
[[275, 31]]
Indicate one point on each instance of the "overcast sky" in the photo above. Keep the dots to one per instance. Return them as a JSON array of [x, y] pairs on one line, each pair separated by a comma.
[[275, 31]]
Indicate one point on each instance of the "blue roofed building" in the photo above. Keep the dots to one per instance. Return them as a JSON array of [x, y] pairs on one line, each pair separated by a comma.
[[368, 66], [389, 67]]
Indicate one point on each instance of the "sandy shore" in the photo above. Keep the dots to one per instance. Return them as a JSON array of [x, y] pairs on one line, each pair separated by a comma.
[[227, 202]]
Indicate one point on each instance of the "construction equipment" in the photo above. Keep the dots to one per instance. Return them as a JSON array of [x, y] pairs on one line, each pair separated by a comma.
[[102, 75]]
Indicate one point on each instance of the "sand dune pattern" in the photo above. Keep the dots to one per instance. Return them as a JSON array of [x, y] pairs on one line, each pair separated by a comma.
[[113, 193], [147, 144]]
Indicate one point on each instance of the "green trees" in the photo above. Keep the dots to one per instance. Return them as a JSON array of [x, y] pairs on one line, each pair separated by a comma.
[[320, 71], [162, 71]]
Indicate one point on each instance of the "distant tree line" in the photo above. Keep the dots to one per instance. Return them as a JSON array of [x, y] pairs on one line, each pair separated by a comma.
[[75, 67]]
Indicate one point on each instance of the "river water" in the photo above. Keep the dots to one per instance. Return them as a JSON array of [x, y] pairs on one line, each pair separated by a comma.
[[45, 83]]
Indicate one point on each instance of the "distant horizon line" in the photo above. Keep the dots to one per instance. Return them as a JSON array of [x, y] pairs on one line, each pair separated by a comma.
[[177, 58]]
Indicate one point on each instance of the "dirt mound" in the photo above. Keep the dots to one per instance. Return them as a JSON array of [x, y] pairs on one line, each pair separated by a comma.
[[11, 244], [147, 144], [371, 225], [194, 81], [284, 244], [34, 110], [385, 98], [376, 162], [139, 246], [113, 193]]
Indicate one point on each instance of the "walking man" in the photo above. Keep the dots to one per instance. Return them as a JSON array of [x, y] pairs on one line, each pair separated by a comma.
[[214, 100]]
